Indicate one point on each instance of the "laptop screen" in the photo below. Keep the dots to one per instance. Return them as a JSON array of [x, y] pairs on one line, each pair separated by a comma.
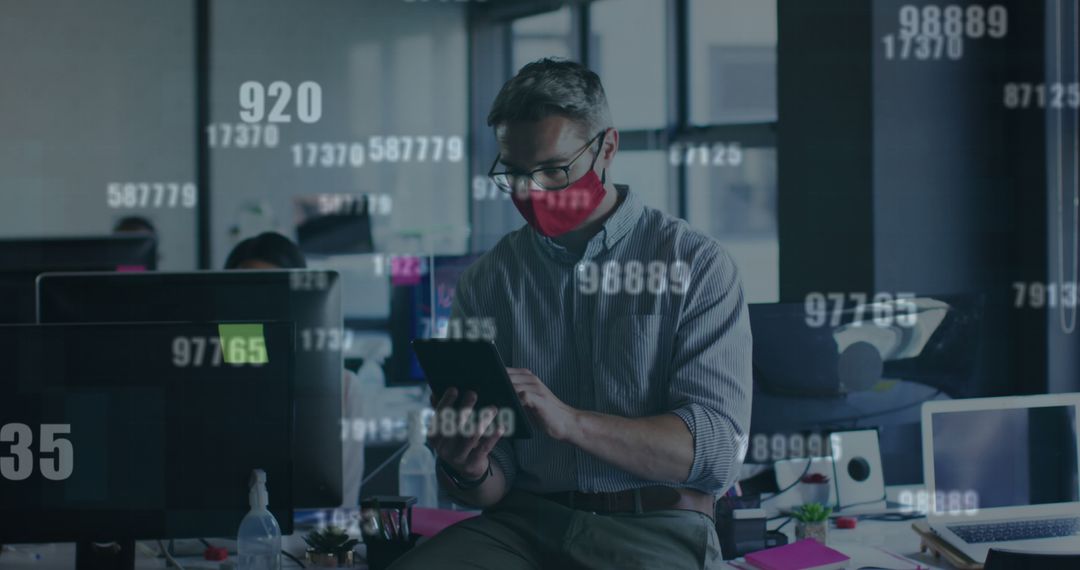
[[1008, 457]]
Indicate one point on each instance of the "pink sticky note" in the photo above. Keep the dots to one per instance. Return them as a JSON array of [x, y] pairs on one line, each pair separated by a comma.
[[429, 522], [405, 270]]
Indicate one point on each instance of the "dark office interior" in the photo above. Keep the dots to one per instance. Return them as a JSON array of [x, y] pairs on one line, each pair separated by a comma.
[[894, 184]]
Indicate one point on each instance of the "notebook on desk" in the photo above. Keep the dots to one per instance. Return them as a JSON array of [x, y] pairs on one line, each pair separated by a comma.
[[807, 554], [1003, 472]]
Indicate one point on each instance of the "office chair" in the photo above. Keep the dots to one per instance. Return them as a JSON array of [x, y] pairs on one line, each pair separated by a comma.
[[1010, 560]]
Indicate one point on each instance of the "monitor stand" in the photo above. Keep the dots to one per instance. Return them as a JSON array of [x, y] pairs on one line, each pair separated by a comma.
[[105, 555]]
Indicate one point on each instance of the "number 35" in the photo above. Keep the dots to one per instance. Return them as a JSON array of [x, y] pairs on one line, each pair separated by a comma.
[[21, 465]]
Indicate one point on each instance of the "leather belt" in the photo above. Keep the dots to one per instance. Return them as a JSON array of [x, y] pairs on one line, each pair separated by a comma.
[[640, 500]]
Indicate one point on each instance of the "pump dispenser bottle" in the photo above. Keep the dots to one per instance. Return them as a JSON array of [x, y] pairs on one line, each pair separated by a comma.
[[258, 541]]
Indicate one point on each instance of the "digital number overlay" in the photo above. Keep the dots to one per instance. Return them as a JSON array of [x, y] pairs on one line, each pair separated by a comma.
[[309, 280], [319, 339], [765, 448], [945, 502], [242, 135], [422, 148], [235, 345], [933, 32], [1041, 95], [1037, 295], [375, 204], [403, 269], [254, 97], [127, 195], [884, 309], [469, 328], [633, 277], [57, 455], [705, 154], [447, 423]]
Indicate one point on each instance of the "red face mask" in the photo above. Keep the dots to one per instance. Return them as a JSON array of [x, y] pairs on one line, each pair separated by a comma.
[[554, 213]]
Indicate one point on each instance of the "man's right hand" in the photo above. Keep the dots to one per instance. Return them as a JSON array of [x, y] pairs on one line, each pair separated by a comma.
[[461, 440]]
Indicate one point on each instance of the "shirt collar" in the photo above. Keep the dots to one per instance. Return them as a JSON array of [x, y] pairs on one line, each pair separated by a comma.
[[618, 224]]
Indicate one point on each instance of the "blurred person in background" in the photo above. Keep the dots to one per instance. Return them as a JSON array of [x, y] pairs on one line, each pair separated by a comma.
[[270, 250]]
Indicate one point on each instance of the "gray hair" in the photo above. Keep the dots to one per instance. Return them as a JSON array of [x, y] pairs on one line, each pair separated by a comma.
[[549, 87]]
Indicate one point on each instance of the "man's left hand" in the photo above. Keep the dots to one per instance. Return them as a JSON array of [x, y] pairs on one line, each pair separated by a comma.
[[557, 419]]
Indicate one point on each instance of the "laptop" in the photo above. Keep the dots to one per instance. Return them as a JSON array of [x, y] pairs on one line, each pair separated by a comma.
[[1003, 473]]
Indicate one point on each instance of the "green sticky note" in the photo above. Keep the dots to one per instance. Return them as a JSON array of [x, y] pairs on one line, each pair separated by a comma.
[[243, 344]]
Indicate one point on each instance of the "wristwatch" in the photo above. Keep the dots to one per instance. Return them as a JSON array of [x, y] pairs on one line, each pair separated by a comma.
[[459, 481]]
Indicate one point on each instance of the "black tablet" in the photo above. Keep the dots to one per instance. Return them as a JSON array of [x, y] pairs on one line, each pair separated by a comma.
[[473, 365]]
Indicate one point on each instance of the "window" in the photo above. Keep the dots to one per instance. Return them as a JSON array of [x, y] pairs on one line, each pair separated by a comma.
[[75, 122], [629, 58], [732, 61], [544, 35], [731, 194], [737, 204], [647, 175]]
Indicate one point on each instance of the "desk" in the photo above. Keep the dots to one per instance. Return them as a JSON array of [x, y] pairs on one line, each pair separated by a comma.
[[894, 536], [61, 555]]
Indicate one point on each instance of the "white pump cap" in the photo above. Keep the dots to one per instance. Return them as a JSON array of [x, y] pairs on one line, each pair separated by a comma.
[[258, 498], [417, 427]]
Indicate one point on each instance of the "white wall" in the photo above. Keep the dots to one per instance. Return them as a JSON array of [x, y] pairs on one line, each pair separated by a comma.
[[98, 92], [92, 93], [386, 67]]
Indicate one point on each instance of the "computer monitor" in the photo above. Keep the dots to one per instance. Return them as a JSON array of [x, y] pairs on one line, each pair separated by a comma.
[[22, 260], [1013, 453], [331, 224], [311, 299], [142, 431], [421, 300], [833, 363], [834, 346]]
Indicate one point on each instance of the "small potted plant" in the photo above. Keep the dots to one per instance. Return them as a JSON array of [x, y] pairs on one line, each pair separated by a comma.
[[815, 488], [813, 522], [330, 548]]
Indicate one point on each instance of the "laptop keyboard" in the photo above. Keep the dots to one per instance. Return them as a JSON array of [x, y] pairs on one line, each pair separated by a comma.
[[1016, 530]]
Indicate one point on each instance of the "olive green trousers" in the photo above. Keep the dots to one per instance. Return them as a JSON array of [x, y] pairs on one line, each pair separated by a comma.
[[526, 531]]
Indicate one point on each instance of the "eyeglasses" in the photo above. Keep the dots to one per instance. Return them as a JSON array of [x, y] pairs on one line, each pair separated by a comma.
[[548, 178]]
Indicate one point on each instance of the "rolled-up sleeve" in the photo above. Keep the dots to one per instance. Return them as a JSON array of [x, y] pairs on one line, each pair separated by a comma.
[[711, 382], [463, 307]]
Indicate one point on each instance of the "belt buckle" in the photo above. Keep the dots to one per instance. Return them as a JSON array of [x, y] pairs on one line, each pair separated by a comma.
[[589, 503]]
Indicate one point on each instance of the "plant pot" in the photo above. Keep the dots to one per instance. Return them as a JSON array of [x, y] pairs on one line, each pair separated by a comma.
[[818, 531], [815, 493], [330, 560]]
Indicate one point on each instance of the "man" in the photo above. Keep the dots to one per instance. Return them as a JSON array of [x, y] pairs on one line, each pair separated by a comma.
[[628, 342]]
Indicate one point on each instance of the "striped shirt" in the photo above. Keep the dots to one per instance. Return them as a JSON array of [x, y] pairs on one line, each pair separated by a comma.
[[650, 320]]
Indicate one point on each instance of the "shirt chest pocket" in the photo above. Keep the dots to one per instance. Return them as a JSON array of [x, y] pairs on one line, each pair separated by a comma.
[[630, 366]]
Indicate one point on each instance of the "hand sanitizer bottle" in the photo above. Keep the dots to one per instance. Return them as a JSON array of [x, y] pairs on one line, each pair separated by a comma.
[[416, 472], [259, 540]]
